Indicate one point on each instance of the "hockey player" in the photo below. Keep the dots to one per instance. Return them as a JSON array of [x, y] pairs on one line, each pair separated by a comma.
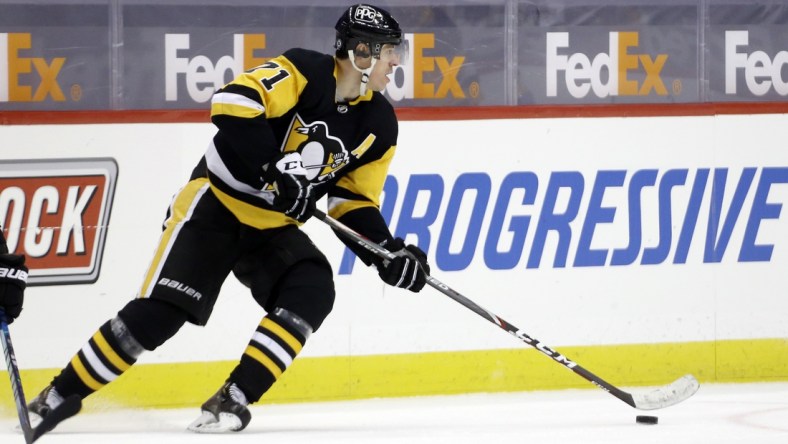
[[301, 126], [13, 280]]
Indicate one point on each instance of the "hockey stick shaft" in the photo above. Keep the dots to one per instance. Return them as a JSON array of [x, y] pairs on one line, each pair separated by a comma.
[[486, 314], [16, 380]]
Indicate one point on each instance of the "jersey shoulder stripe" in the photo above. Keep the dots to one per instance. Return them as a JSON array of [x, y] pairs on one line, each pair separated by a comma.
[[272, 89]]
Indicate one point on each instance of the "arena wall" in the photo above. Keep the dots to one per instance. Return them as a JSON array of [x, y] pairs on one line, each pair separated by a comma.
[[643, 247]]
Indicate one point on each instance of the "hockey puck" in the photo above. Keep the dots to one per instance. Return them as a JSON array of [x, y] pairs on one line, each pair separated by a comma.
[[648, 420]]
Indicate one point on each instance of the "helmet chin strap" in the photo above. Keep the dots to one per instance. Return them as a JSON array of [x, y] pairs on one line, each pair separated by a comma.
[[364, 72]]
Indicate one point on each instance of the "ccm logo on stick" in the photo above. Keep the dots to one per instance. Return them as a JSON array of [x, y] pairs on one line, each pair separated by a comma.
[[56, 212]]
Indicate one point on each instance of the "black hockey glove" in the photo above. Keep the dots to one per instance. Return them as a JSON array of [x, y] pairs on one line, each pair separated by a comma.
[[13, 280], [408, 270], [294, 192]]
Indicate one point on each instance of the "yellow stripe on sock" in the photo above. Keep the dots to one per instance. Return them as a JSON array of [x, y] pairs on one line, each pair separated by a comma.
[[83, 374], [260, 357], [110, 353], [278, 330]]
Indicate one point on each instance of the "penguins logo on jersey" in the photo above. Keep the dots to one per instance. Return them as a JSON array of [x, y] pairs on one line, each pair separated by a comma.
[[322, 154]]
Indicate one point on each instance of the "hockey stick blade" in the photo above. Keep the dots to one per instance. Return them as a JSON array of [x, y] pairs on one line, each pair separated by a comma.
[[662, 397], [16, 379], [667, 395]]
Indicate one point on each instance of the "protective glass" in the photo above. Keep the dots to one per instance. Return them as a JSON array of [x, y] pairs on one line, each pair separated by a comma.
[[397, 54]]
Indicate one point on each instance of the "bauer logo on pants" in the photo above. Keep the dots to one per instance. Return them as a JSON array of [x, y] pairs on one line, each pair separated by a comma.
[[56, 212]]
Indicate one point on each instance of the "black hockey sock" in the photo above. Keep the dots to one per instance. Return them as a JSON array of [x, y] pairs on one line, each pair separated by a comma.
[[109, 353], [276, 342]]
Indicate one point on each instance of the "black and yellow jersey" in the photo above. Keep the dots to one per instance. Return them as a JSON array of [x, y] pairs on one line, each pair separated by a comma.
[[288, 104]]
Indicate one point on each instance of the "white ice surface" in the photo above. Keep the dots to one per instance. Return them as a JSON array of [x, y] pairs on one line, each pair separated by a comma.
[[717, 414]]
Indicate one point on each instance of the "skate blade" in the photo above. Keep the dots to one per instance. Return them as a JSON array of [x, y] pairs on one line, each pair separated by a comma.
[[208, 423]]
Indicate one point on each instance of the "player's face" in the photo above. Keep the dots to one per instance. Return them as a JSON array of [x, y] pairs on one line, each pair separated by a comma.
[[389, 58]]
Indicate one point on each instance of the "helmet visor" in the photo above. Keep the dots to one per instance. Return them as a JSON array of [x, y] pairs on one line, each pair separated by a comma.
[[395, 53]]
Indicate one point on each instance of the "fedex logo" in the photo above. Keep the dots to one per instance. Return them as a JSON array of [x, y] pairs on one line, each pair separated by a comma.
[[583, 74], [419, 64], [27, 79], [198, 73], [761, 72], [56, 212]]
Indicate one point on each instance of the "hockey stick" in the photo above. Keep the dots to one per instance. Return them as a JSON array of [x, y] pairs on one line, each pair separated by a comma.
[[16, 380], [660, 397]]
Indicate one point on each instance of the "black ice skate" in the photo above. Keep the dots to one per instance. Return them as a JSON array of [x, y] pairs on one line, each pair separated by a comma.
[[224, 412], [49, 409]]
